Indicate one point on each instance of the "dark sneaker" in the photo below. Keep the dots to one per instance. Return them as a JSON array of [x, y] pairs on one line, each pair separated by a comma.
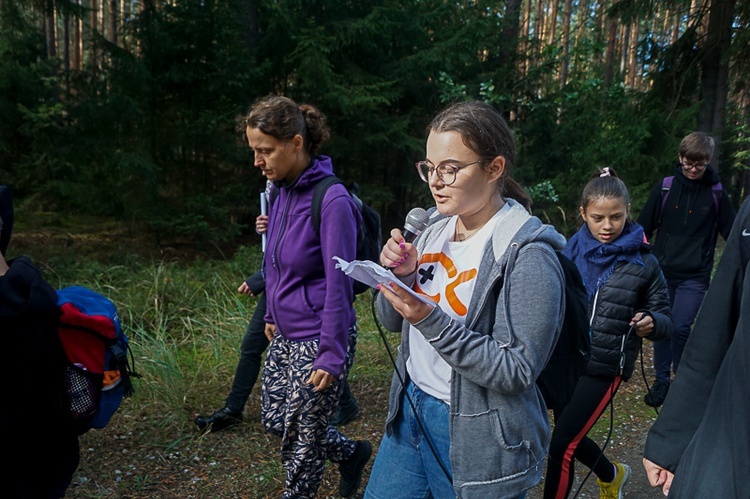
[[344, 414], [351, 469], [655, 398], [219, 420]]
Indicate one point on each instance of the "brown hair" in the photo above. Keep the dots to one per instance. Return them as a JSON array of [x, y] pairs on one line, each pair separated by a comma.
[[604, 184], [484, 130], [697, 146], [282, 118]]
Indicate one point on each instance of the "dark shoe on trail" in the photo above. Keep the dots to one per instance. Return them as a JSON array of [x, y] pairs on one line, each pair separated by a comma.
[[655, 398], [220, 420], [351, 469], [344, 414]]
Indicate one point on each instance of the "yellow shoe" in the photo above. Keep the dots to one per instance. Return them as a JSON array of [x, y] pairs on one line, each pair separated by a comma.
[[613, 489]]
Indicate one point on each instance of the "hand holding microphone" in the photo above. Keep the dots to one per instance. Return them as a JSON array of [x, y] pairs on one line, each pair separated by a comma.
[[399, 254]]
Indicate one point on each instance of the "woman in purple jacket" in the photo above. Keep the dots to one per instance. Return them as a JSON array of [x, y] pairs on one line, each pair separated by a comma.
[[310, 317]]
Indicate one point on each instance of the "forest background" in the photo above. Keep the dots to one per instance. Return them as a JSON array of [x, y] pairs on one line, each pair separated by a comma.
[[119, 138], [128, 108]]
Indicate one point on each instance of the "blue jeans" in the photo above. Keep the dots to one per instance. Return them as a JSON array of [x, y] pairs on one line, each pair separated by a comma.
[[405, 466], [685, 298]]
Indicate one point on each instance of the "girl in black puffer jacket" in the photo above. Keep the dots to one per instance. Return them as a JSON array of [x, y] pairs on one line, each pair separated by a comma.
[[628, 301]]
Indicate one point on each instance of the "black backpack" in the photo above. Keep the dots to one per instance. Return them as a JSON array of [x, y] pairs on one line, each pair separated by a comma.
[[573, 349], [369, 236], [571, 354]]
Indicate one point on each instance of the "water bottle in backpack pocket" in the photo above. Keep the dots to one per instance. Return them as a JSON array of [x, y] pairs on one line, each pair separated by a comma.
[[98, 371]]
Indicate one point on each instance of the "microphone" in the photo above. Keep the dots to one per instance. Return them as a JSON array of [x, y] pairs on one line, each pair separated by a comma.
[[416, 221]]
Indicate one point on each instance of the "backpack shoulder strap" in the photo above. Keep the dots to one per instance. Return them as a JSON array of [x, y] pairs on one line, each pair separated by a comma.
[[317, 201], [666, 184], [716, 191]]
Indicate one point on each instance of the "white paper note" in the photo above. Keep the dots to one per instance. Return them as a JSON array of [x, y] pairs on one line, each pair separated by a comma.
[[373, 274], [263, 211]]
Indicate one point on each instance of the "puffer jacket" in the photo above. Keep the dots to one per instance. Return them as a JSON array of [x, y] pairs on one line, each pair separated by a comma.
[[630, 289], [499, 425]]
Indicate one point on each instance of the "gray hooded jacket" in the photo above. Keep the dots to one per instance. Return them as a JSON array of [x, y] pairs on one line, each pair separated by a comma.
[[499, 424]]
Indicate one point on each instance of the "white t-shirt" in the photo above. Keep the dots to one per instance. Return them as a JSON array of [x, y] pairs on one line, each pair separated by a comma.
[[446, 273]]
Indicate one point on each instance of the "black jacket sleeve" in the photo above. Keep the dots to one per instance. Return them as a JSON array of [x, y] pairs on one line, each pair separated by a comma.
[[256, 283], [727, 215], [658, 306], [704, 353], [650, 214]]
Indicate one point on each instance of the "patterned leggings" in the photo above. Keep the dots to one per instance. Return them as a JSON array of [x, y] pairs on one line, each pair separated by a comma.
[[291, 410]]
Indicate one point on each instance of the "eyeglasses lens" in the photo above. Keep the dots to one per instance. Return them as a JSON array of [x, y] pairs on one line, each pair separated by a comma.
[[446, 173]]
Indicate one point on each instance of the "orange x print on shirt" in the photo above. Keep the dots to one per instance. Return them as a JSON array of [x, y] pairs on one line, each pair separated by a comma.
[[450, 290]]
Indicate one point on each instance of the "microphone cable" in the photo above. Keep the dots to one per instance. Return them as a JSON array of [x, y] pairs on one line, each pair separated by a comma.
[[645, 379], [403, 386]]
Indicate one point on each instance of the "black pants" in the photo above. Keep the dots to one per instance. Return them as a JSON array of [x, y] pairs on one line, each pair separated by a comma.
[[254, 343], [590, 398]]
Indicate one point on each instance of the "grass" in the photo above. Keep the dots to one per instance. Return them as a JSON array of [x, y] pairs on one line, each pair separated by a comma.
[[185, 320]]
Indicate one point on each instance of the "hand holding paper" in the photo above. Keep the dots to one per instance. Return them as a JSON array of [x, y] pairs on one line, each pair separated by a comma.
[[373, 274]]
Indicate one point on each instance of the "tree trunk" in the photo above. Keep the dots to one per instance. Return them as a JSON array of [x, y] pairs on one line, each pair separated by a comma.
[[66, 46], [565, 43], [581, 18], [552, 22], [78, 43], [538, 30], [524, 44], [633, 80], [624, 50], [50, 30], [250, 30], [676, 25], [609, 60], [508, 53], [113, 21], [93, 30], [715, 72]]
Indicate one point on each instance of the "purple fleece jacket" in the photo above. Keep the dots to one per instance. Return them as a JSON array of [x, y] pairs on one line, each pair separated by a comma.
[[308, 297]]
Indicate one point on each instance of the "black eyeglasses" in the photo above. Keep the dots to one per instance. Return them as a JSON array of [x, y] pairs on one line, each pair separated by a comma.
[[692, 166], [446, 172]]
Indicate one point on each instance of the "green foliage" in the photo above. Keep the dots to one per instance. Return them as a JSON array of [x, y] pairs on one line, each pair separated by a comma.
[[147, 131]]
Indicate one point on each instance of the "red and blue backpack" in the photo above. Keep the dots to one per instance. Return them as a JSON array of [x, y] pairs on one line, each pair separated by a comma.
[[98, 373]]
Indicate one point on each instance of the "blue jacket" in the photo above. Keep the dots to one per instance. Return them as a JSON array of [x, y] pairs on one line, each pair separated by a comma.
[[499, 425], [308, 297]]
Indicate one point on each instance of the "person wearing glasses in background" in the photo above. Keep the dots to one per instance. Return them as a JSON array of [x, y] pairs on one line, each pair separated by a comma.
[[687, 223]]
